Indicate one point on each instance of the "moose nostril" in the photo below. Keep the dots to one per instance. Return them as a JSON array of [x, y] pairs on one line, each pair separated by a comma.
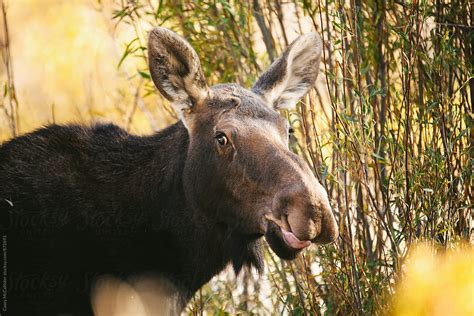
[[307, 213], [284, 222], [302, 226]]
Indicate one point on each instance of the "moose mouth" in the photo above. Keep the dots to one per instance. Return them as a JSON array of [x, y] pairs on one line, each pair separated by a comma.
[[283, 242]]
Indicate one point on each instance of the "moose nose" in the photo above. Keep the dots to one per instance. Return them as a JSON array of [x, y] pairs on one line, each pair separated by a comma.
[[308, 215]]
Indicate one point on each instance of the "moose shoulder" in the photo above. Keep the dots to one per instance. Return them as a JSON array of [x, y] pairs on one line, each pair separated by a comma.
[[80, 202]]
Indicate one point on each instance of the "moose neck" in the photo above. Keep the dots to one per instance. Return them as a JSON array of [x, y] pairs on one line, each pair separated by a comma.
[[189, 247]]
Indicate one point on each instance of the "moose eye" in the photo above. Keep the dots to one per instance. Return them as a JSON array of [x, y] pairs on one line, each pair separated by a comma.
[[221, 139], [291, 131]]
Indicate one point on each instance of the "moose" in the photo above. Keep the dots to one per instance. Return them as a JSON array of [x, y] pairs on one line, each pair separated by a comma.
[[78, 203]]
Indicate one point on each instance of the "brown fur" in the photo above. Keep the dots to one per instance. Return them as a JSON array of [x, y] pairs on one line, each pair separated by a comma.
[[81, 202]]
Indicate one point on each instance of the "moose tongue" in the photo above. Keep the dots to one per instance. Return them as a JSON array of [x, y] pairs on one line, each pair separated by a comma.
[[293, 241]]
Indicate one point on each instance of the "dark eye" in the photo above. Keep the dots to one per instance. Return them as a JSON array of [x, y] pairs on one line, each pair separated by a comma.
[[291, 131], [221, 139]]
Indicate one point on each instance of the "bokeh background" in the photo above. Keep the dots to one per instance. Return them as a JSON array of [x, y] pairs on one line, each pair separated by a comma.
[[388, 130]]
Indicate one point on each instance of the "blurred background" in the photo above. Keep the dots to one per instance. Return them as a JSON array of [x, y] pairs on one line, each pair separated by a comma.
[[388, 130]]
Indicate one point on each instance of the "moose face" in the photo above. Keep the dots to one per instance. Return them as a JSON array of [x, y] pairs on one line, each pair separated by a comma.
[[239, 173]]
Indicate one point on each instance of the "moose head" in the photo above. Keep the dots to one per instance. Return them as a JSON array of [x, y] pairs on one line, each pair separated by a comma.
[[239, 172]]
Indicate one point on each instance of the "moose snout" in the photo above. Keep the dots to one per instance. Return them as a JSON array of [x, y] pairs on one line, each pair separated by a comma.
[[307, 214]]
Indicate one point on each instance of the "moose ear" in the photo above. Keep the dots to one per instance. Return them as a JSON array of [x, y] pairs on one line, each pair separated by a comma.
[[291, 76], [175, 69]]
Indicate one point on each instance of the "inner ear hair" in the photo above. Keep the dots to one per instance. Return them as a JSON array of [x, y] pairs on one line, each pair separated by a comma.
[[175, 69], [293, 74]]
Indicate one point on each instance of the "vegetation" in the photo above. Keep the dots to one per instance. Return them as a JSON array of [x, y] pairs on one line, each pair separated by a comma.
[[388, 130]]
